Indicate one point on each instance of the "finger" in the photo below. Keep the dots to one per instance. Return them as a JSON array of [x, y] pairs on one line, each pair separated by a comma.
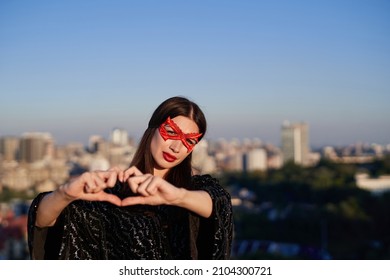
[[152, 186], [119, 173], [132, 171], [109, 177], [139, 183], [89, 183], [112, 179], [104, 179], [134, 200], [110, 198], [96, 181], [143, 187]]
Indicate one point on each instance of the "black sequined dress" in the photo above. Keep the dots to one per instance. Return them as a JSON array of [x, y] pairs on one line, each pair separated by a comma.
[[100, 230]]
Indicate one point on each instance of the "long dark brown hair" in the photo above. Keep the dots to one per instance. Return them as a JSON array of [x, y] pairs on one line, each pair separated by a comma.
[[179, 175]]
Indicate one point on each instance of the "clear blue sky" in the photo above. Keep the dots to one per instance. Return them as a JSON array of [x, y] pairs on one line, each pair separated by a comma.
[[76, 68]]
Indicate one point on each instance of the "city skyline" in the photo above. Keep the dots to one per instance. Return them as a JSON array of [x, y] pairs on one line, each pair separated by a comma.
[[75, 69]]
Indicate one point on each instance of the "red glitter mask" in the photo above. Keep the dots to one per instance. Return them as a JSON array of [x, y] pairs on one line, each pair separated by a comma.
[[170, 130]]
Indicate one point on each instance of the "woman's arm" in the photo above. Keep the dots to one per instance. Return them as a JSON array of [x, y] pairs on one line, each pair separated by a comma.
[[50, 208], [88, 186], [196, 201]]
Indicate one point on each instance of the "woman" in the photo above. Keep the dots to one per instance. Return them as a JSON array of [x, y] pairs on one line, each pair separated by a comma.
[[156, 209]]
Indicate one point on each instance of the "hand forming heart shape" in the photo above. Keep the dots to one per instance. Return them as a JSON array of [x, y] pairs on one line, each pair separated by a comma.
[[136, 188]]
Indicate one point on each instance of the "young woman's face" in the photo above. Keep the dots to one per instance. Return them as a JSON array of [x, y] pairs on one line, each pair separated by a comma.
[[173, 142]]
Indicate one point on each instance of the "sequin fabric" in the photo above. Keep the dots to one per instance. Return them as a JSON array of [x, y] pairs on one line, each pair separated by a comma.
[[100, 230]]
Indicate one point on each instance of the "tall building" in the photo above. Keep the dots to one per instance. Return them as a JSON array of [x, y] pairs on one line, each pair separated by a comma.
[[201, 160], [9, 148], [119, 137], [295, 143], [256, 160], [36, 146]]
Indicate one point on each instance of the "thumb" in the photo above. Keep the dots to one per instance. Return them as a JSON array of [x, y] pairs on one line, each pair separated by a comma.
[[113, 199], [134, 200]]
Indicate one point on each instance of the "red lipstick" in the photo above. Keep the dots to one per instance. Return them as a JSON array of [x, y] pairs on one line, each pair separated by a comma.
[[168, 157]]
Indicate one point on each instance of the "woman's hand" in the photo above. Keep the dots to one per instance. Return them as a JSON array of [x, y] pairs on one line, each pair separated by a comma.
[[151, 190], [154, 190], [91, 185], [88, 186]]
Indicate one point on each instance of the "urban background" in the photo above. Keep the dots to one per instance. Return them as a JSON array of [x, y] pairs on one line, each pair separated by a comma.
[[78, 80], [290, 202]]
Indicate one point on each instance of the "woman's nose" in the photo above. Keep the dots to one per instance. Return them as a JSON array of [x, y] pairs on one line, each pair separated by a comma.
[[175, 145]]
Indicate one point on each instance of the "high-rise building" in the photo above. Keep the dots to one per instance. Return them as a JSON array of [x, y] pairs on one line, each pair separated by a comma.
[[256, 160], [9, 148], [201, 160], [119, 137], [295, 143], [36, 146]]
